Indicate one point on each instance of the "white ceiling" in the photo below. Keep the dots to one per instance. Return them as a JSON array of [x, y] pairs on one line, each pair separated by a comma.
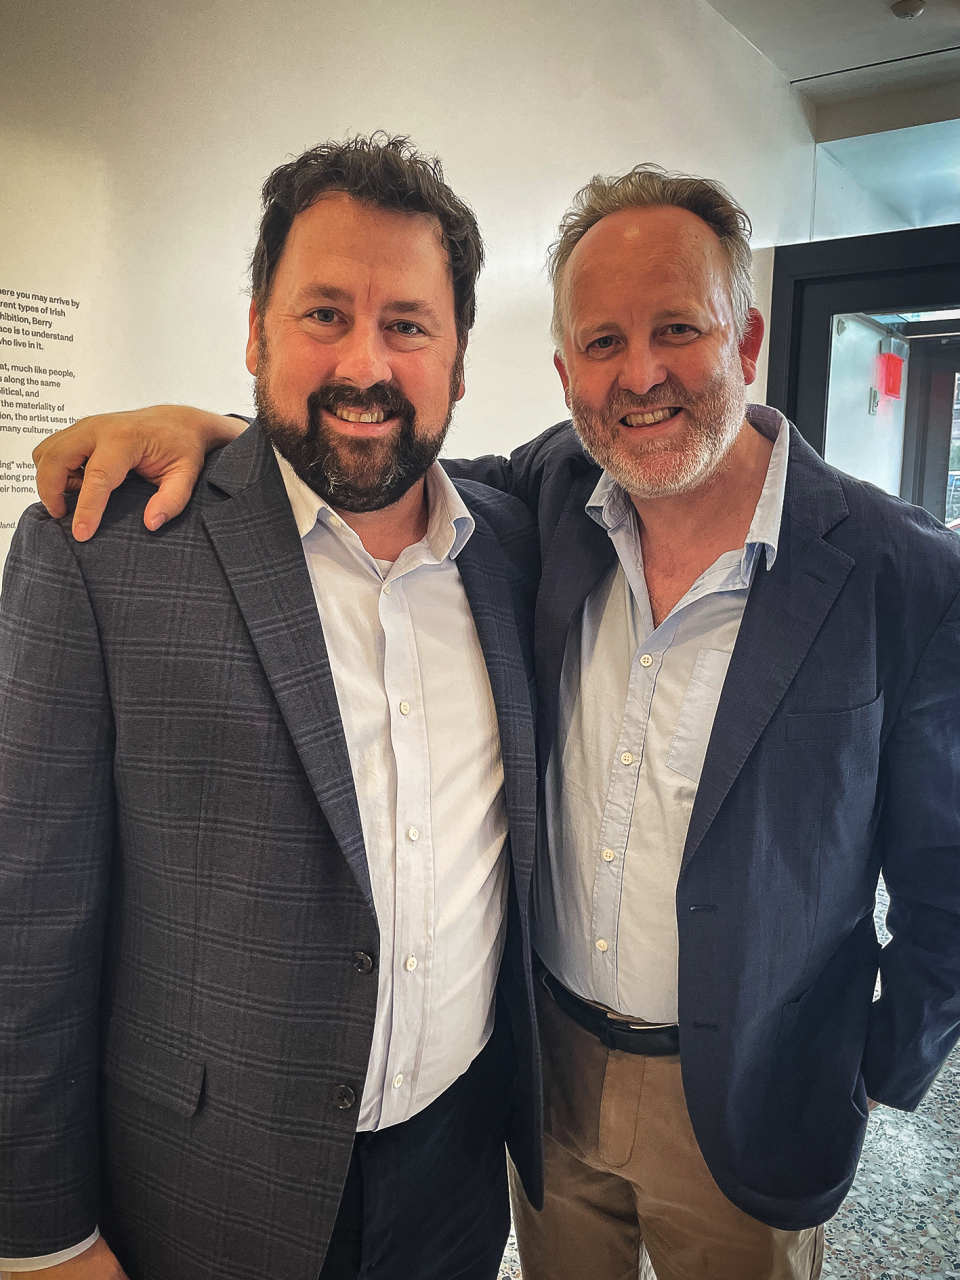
[[827, 47]]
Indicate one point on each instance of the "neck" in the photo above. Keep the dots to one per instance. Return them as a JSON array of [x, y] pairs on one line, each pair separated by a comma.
[[719, 510], [683, 535], [387, 532]]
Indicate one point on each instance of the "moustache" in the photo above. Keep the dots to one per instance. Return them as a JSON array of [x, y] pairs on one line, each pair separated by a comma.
[[666, 395], [382, 397]]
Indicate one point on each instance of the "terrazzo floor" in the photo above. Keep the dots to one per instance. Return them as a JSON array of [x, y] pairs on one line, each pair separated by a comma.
[[901, 1220]]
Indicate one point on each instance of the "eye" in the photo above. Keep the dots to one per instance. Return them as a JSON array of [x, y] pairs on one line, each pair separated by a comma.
[[606, 343], [681, 331], [407, 329], [324, 315]]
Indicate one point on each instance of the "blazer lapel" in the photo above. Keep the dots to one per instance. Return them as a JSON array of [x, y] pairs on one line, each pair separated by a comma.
[[485, 574], [785, 610], [256, 540], [580, 554]]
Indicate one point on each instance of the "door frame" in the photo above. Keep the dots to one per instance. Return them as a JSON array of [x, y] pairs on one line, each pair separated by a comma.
[[868, 259]]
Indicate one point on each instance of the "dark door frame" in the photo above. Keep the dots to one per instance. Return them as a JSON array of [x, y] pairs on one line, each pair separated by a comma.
[[923, 265], [928, 422]]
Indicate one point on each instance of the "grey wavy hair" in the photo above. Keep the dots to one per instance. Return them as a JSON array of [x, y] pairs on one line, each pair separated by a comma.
[[648, 186]]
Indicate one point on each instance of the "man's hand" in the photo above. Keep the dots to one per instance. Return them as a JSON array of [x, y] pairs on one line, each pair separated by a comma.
[[95, 1263], [166, 444]]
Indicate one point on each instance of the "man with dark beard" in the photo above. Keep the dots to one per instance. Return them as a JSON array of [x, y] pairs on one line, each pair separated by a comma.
[[748, 670], [263, 1011]]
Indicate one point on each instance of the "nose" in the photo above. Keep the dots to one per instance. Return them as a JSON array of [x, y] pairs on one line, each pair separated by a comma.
[[641, 369], [362, 357]]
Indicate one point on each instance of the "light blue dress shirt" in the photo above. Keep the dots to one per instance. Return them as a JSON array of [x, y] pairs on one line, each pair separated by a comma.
[[637, 705]]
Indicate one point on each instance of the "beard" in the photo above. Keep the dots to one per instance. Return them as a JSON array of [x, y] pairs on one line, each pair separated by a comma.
[[350, 473], [669, 466]]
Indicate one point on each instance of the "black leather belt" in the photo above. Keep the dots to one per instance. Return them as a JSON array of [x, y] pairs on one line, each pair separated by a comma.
[[652, 1042]]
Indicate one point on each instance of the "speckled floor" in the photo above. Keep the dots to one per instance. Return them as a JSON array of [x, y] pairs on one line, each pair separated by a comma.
[[901, 1220]]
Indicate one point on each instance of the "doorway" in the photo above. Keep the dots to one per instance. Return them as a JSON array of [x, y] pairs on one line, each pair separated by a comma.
[[865, 358]]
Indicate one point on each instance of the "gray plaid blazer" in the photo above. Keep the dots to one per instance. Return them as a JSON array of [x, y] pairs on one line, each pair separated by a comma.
[[185, 904]]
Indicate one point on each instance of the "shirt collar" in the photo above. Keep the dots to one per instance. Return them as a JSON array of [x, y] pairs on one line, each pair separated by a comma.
[[449, 523], [609, 504]]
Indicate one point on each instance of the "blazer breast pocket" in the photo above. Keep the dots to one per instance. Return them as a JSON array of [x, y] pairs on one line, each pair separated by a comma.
[[697, 713], [851, 725]]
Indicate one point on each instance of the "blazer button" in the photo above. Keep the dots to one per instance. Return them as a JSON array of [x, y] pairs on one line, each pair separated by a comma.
[[363, 962], [343, 1096]]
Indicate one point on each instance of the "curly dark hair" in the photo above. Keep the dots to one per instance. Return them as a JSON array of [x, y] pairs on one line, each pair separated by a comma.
[[382, 170]]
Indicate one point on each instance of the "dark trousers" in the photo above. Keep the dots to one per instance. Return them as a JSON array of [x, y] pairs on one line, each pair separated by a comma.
[[427, 1199]]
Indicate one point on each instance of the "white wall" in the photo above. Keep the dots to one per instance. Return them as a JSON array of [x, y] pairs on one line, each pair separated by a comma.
[[136, 137], [844, 207]]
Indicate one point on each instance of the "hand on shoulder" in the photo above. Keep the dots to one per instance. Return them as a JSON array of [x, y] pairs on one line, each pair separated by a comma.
[[165, 443]]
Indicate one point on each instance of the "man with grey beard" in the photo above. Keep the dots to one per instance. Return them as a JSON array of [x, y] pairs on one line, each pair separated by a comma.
[[748, 669]]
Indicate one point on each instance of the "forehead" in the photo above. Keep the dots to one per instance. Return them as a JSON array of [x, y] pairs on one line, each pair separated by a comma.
[[659, 250], [343, 241]]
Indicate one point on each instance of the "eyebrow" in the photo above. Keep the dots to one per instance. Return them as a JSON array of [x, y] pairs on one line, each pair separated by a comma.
[[333, 293], [661, 317]]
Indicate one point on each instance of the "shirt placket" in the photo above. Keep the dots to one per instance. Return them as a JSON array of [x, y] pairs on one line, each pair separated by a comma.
[[615, 825], [414, 872]]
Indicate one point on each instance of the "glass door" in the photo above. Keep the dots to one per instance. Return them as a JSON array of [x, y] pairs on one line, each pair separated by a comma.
[[892, 412]]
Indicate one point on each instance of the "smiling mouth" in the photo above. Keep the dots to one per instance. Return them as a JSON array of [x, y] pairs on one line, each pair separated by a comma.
[[651, 418], [357, 415]]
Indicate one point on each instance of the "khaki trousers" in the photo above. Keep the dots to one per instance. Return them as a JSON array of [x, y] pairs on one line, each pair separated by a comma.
[[623, 1170]]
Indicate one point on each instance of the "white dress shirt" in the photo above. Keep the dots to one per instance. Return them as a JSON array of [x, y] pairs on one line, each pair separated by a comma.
[[637, 705], [421, 730], [424, 744]]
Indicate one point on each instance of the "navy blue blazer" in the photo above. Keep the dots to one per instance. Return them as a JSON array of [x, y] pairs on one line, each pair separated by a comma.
[[835, 754]]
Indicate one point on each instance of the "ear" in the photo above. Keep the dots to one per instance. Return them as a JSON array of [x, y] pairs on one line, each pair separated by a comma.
[[255, 330], [463, 387], [750, 345], [561, 368]]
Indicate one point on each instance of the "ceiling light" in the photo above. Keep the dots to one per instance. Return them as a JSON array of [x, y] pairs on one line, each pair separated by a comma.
[[908, 8]]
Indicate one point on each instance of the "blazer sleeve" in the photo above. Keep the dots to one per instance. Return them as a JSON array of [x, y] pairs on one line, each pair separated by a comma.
[[916, 1021], [56, 843], [520, 475]]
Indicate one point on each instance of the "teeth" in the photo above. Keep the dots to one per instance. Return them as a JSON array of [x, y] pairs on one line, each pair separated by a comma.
[[354, 415], [649, 419]]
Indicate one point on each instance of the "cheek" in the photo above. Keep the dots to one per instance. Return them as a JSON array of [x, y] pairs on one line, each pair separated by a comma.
[[591, 383], [425, 381]]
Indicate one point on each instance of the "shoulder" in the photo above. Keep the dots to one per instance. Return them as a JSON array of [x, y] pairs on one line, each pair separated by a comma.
[[911, 559], [506, 515], [509, 522], [898, 536], [555, 449]]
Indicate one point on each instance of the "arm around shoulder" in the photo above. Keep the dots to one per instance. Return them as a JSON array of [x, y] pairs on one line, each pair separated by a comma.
[[165, 443]]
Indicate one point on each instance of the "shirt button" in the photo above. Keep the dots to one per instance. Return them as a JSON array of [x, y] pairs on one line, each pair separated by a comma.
[[343, 1096], [601, 944], [626, 758], [404, 708], [608, 855], [386, 589], [336, 522], [646, 660], [410, 963], [398, 1080], [413, 833]]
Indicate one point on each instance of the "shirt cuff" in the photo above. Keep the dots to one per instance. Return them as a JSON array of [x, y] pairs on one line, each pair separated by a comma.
[[49, 1259]]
